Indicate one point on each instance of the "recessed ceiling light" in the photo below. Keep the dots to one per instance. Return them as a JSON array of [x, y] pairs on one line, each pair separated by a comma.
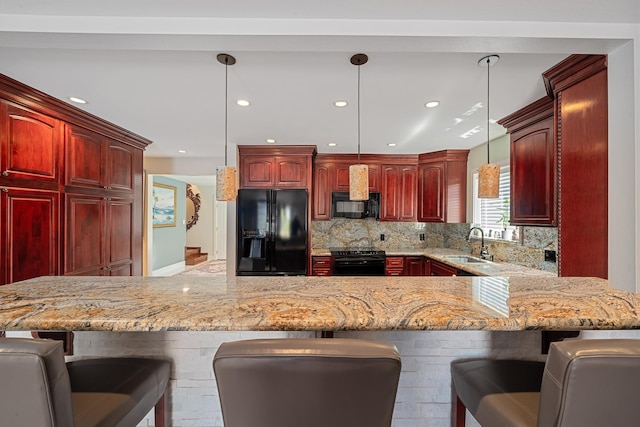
[[243, 103], [77, 100], [182, 151], [391, 144], [332, 144], [271, 141], [340, 104], [432, 104]]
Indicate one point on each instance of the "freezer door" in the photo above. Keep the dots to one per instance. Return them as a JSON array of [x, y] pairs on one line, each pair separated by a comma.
[[289, 232], [253, 240]]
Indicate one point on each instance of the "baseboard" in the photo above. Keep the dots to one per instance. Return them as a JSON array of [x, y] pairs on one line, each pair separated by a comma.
[[170, 270]]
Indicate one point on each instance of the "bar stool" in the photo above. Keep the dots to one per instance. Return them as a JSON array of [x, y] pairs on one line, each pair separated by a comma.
[[307, 382], [584, 383], [39, 389]]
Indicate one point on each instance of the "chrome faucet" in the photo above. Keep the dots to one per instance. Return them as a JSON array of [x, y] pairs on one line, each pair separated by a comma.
[[484, 251]]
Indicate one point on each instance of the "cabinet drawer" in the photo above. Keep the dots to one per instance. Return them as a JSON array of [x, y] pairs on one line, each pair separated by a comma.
[[321, 266]]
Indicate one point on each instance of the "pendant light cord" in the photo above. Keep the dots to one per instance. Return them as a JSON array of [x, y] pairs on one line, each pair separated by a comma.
[[358, 114], [488, 104], [226, 102], [488, 82]]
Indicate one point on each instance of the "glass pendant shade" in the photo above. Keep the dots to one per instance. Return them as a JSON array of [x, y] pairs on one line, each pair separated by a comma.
[[359, 182], [226, 184], [489, 181]]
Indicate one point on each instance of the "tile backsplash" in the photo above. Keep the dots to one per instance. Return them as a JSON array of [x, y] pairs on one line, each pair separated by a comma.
[[528, 250]]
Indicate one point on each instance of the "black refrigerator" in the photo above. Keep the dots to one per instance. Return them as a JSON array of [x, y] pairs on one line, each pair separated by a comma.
[[272, 232]]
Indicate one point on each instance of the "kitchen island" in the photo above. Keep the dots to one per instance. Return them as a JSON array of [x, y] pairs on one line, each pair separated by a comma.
[[301, 303], [432, 321]]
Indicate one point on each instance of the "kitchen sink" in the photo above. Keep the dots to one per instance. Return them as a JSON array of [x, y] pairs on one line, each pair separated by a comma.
[[461, 259]]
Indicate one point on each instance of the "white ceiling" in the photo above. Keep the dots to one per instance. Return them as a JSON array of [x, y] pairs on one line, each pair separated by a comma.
[[150, 66]]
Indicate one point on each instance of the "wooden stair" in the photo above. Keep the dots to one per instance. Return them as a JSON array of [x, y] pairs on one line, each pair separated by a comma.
[[193, 256]]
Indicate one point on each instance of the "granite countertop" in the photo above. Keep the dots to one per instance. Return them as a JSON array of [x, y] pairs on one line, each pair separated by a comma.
[[480, 269], [315, 303]]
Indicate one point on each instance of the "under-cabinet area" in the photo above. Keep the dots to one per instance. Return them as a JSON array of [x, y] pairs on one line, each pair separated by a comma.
[[426, 262]]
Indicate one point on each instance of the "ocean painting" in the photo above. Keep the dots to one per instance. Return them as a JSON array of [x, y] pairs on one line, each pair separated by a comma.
[[164, 205]]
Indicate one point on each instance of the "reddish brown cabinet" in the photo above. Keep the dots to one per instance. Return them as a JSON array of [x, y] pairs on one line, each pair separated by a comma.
[[321, 209], [73, 189], [95, 161], [416, 266], [442, 189], [269, 167], [533, 164], [29, 241], [341, 176], [440, 269], [394, 266], [579, 88], [100, 233], [322, 266], [31, 144], [399, 187]]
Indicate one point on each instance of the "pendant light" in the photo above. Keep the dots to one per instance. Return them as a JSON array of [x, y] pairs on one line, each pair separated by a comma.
[[489, 174], [226, 176], [359, 174]]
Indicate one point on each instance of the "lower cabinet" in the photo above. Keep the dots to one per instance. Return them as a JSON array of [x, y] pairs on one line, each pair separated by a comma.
[[394, 266], [415, 266], [106, 220], [321, 266], [29, 248], [441, 269]]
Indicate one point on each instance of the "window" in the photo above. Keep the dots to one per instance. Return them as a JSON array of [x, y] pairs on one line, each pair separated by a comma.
[[492, 215]]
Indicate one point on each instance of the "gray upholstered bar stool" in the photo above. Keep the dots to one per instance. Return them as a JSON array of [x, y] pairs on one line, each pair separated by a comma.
[[584, 383], [38, 389], [307, 382]]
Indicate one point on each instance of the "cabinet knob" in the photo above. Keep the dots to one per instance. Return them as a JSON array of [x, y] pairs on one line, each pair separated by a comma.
[[5, 190], [5, 173]]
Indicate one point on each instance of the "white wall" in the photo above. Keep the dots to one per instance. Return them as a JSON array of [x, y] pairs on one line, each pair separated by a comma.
[[622, 170], [202, 233]]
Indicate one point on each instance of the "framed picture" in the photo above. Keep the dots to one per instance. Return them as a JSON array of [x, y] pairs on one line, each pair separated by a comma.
[[164, 205]]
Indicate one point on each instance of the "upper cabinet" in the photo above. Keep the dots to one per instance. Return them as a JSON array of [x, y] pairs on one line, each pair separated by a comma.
[[533, 164], [579, 88], [31, 144], [431, 187], [275, 167], [95, 161], [442, 189], [398, 199]]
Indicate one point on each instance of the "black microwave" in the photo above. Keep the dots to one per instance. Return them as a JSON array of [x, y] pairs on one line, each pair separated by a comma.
[[342, 207]]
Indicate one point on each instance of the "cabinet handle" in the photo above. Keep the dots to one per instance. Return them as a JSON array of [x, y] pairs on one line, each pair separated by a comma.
[[5, 173], [5, 190]]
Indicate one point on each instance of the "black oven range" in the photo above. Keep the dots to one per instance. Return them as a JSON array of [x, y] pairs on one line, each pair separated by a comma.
[[358, 262]]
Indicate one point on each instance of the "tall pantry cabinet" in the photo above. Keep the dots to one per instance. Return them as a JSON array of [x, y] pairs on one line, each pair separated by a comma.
[[70, 190]]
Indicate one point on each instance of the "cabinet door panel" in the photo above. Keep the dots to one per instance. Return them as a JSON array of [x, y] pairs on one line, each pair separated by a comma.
[[30, 241], [407, 196], [257, 171], [322, 193], [31, 144], [431, 192], [120, 167], [390, 189], [119, 227], [291, 171], [533, 175], [84, 238], [85, 158]]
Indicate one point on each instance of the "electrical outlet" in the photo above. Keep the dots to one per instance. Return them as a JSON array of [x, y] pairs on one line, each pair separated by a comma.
[[549, 255], [421, 236], [382, 237]]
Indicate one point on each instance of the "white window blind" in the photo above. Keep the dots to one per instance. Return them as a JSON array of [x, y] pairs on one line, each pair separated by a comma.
[[488, 213]]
